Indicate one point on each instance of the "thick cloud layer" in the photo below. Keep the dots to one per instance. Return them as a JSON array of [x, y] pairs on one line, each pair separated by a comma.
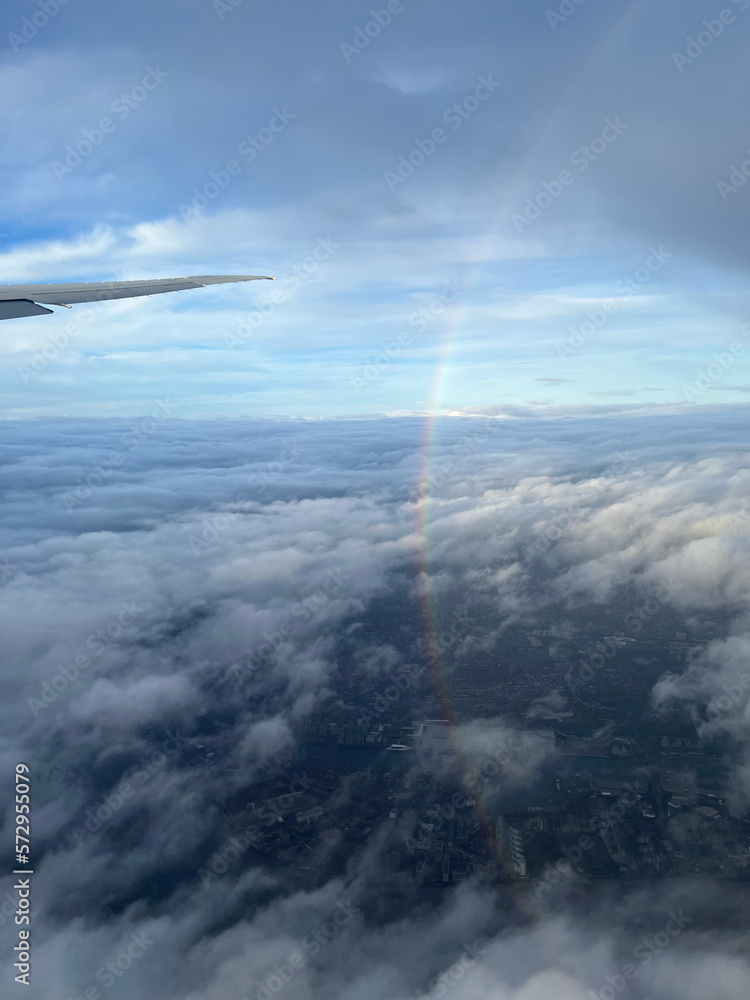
[[183, 598]]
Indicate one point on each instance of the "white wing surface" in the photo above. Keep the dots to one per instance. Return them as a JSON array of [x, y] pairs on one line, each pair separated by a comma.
[[30, 300]]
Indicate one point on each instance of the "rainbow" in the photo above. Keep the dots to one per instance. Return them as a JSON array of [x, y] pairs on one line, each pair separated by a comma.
[[512, 189]]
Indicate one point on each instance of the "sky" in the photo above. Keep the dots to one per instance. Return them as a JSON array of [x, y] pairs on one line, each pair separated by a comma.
[[502, 369], [440, 287]]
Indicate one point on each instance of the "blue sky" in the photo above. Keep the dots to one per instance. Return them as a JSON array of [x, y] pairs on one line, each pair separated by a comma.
[[618, 286]]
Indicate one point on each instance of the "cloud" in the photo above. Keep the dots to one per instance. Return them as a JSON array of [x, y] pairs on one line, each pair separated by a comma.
[[230, 580], [412, 81]]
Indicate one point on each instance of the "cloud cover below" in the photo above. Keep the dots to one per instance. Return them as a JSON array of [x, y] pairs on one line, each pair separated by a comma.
[[214, 545]]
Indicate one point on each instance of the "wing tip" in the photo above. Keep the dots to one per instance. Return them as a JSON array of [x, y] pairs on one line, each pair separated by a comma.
[[217, 279]]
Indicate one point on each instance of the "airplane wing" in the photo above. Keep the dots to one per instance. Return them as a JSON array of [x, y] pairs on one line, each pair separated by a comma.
[[30, 300]]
